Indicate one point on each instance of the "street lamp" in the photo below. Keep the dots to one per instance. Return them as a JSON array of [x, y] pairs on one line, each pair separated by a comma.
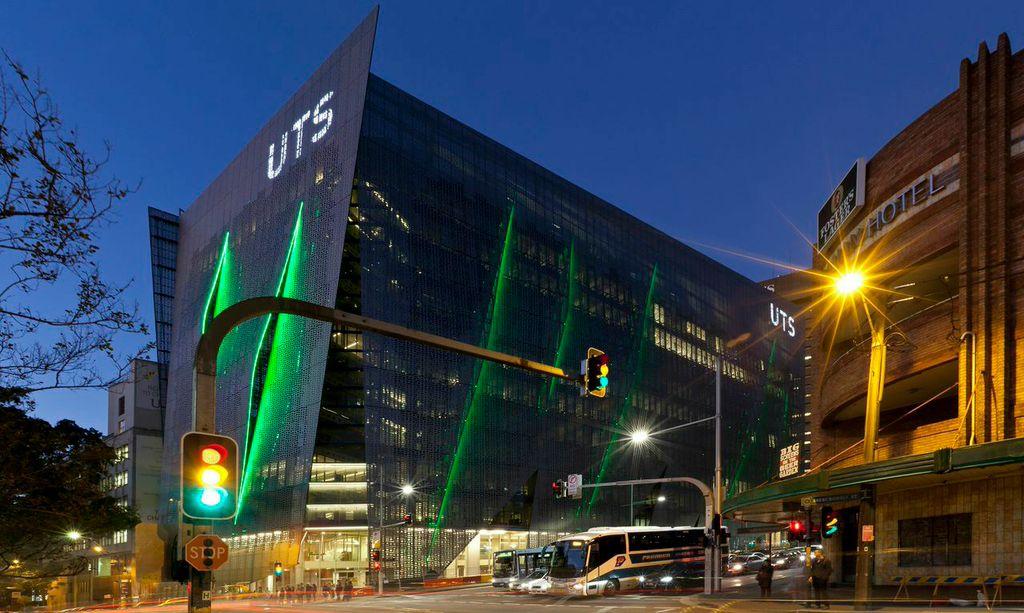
[[850, 284], [73, 535], [408, 490], [661, 499], [639, 437]]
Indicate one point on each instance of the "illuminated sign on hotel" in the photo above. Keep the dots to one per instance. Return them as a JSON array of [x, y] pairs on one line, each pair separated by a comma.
[[846, 198], [321, 116]]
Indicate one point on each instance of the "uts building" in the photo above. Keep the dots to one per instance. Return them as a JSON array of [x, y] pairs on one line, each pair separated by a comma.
[[358, 195]]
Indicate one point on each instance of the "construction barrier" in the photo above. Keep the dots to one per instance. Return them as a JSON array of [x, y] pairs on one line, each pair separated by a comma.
[[937, 581]]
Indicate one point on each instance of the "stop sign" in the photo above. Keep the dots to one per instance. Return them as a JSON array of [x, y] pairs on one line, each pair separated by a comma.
[[206, 552]]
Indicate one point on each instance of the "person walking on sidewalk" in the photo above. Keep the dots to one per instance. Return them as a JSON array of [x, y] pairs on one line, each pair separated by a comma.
[[821, 571], [764, 578]]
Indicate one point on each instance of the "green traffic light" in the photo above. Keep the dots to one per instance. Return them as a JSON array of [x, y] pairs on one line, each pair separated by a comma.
[[603, 381]]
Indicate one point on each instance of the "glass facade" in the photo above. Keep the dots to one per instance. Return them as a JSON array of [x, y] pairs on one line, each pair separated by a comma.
[[163, 252], [403, 214]]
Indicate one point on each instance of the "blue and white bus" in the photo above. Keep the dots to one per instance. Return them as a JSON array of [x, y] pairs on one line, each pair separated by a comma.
[[606, 560]]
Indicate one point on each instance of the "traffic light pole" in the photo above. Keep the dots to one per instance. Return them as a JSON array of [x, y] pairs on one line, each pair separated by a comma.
[[205, 366], [204, 372]]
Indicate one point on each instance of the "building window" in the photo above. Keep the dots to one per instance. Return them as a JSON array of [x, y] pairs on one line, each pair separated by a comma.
[[120, 405], [121, 479], [120, 453], [121, 536], [943, 540], [120, 426]]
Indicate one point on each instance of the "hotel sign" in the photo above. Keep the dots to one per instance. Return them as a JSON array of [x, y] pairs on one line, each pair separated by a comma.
[[789, 461], [845, 200], [909, 200]]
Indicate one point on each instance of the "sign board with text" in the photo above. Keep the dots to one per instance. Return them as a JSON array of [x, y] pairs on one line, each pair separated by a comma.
[[789, 461], [574, 486], [845, 200], [206, 552]]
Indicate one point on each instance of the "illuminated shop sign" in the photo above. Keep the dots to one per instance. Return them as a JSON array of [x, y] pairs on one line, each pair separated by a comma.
[[847, 197], [782, 319], [320, 117], [922, 192]]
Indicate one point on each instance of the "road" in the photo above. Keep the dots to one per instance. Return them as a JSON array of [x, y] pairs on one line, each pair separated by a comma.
[[485, 598]]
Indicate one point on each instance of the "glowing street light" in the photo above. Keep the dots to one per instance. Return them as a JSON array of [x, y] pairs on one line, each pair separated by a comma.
[[408, 490], [639, 437], [661, 499], [97, 548], [849, 282], [73, 535]]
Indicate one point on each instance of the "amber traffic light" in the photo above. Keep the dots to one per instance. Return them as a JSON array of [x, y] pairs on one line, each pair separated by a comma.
[[595, 370], [209, 476]]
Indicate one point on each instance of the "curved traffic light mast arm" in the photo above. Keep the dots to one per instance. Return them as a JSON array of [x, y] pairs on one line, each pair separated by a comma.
[[205, 367]]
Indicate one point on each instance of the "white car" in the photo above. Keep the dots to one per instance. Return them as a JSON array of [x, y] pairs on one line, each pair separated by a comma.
[[534, 583]]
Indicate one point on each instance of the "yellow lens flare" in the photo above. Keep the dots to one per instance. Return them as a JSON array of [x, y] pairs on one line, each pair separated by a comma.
[[212, 476], [849, 282]]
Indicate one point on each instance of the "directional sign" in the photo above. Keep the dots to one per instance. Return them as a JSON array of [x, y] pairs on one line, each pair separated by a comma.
[[206, 552], [574, 486]]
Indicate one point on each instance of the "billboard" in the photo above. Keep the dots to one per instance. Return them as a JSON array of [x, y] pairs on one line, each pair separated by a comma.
[[845, 200]]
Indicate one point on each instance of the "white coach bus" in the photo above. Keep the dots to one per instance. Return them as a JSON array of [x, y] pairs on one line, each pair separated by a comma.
[[606, 560]]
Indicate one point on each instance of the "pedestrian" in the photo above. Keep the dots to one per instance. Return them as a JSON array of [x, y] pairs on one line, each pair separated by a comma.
[[821, 571], [764, 578]]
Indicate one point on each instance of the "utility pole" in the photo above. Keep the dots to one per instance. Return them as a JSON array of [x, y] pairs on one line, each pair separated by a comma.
[[718, 470], [866, 516]]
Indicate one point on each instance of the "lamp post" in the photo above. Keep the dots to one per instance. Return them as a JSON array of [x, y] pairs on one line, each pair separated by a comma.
[[851, 285]]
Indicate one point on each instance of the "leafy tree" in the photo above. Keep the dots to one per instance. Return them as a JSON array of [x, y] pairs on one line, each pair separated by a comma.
[[58, 316], [53, 482]]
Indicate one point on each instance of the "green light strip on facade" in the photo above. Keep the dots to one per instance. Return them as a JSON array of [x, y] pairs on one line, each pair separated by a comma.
[[290, 263], [639, 353], [471, 413], [750, 443], [568, 310], [207, 315]]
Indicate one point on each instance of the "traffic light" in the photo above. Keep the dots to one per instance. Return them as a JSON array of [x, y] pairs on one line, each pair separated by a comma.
[[595, 371], [829, 522], [797, 529], [407, 519], [209, 476], [278, 569], [558, 489]]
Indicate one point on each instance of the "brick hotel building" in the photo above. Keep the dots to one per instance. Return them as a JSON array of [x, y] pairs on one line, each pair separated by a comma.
[[941, 206]]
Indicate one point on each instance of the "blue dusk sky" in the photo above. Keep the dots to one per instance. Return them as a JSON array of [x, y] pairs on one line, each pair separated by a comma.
[[724, 124]]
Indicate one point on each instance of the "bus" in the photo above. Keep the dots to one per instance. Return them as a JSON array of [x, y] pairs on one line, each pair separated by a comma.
[[511, 565], [606, 560]]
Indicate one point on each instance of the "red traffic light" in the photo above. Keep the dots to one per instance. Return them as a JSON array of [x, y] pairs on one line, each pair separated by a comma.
[[796, 526]]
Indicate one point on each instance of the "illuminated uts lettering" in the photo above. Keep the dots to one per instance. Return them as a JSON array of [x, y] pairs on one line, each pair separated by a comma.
[[782, 319], [322, 116]]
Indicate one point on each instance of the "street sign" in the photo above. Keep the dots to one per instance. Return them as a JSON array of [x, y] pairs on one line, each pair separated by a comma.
[[837, 498], [206, 552], [867, 533], [574, 486]]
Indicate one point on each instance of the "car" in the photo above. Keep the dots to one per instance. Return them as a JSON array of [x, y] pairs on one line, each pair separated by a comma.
[[745, 563], [673, 577], [530, 581], [785, 558]]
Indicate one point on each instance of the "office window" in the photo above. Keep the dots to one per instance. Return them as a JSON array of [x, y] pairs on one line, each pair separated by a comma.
[[121, 453], [120, 405], [120, 426], [943, 540]]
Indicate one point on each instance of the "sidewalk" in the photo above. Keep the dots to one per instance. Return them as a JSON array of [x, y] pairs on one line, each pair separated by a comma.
[[792, 594]]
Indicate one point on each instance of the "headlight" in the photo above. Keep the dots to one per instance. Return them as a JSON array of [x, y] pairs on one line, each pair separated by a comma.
[[641, 578], [666, 579], [737, 567]]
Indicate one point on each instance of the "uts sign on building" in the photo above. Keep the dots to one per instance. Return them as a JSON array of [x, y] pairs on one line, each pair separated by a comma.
[[847, 197], [321, 115]]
